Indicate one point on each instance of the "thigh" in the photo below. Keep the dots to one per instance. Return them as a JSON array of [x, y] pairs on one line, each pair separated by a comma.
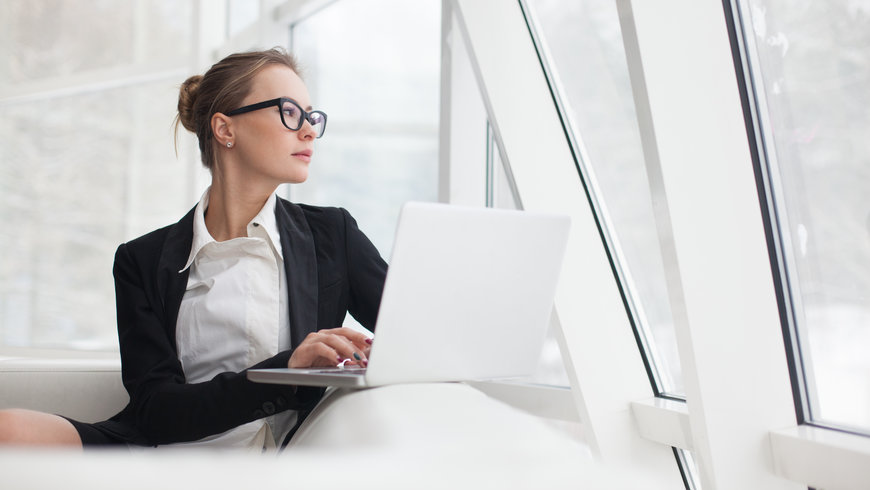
[[28, 427]]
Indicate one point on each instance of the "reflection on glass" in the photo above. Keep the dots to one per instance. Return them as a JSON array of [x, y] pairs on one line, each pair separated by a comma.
[[373, 66], [811, 75], [583, 47]]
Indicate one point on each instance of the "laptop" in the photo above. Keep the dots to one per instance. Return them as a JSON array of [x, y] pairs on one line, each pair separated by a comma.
[[468, 297]]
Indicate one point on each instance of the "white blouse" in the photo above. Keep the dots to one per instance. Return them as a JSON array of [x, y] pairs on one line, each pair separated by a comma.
[[234, 314]]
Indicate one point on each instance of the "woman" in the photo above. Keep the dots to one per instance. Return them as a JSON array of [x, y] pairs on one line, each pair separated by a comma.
[[244, 280]]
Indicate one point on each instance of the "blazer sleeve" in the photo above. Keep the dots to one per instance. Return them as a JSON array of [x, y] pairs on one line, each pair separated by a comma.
[[163, 407], [366, 272]]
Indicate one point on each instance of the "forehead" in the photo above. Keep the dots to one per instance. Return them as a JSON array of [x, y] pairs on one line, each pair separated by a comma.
[[275, 81]]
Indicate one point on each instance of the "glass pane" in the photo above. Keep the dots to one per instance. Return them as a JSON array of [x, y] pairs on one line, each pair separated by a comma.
[[373, 67], [241, 14], [583, 48], [811, 74], [45, 40], [83, 171], [69, 197]]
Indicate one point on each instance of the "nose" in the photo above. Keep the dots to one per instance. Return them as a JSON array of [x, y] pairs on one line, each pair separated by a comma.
[[306, 132]]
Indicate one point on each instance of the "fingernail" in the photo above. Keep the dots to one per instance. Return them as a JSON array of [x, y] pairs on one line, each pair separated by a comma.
[[365, 363], [369, 341], [356, 356]]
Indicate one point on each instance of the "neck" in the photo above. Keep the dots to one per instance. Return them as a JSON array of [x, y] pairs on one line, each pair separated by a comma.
[[231, 206]]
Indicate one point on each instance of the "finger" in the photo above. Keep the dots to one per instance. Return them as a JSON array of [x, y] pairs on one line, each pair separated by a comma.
[[339, 339], [312, 353], [343, 347], [358, 338]]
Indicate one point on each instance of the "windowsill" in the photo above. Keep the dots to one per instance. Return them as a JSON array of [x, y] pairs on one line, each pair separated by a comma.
[[821, 458], [813, 456], [663, 420]]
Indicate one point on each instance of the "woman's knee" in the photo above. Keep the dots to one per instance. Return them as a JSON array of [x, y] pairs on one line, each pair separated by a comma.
[[10, 426]]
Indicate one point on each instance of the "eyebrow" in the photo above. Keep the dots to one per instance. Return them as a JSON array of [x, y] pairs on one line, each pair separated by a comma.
[[307, 109]]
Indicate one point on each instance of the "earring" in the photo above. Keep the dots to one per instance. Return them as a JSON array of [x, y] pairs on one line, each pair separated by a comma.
[[229, 144]]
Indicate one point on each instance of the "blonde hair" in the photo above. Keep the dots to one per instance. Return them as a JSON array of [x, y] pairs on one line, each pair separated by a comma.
[[222, 89]]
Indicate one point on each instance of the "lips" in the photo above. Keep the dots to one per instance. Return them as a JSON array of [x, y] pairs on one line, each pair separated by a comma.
[[304, 155]]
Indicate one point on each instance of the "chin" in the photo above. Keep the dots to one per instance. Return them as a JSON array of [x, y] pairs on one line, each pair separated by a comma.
[[298, 177]]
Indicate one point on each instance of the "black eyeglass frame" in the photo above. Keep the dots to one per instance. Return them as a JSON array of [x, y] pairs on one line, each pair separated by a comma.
[[279, 102]]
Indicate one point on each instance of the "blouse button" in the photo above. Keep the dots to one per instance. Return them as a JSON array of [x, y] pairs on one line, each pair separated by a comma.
[[269, 408]]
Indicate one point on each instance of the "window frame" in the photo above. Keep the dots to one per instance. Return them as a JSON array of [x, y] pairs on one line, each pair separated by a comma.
[[589, 304], [758, 131], [724, 428], [702, 178], [766, 164], [634, 308]]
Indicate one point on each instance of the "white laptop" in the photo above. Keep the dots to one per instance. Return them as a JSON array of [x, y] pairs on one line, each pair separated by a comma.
[[468, 296]]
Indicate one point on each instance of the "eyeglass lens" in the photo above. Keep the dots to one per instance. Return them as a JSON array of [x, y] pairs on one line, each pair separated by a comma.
[[292, 116]]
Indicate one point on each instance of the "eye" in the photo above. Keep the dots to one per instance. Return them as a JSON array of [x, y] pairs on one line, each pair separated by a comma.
[[290, 110]]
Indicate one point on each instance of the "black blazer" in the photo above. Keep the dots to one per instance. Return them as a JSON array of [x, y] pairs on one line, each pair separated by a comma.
[[331, 267]]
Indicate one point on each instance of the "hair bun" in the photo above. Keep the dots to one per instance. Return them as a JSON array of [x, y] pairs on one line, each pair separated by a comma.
[[186, 100]]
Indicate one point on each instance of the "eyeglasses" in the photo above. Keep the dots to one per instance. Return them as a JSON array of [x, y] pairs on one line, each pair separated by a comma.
[[292, 116]]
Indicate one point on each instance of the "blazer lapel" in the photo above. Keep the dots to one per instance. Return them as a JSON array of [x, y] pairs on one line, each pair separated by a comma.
[[171, 283], [300, 265]]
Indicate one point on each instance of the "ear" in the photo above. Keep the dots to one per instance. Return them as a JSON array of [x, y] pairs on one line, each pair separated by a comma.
[[222, 128]]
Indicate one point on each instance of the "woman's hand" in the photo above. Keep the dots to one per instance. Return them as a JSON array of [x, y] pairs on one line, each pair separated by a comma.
[[329, 347]]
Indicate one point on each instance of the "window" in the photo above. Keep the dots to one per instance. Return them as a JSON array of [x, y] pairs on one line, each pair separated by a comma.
[[86, 157], [381, 95], [581, 44], [809, 70], [241, 14]]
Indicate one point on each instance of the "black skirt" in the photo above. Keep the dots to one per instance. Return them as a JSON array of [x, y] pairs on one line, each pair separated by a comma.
[[105, 433]]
